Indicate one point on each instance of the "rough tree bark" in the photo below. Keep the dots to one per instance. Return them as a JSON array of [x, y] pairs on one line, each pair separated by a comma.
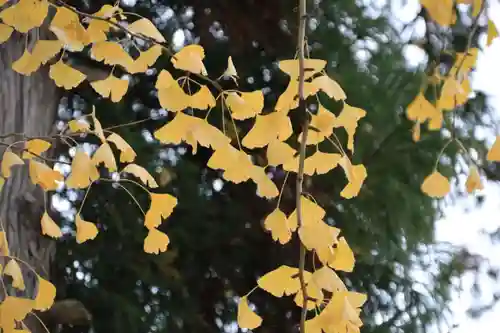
[[28, 105]]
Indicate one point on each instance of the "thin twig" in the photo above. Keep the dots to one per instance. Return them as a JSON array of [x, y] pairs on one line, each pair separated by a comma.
[[302, 156]]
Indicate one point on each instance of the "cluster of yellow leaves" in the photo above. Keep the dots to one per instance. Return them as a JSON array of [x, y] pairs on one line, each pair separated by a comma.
[[14, 309], [84, 172]]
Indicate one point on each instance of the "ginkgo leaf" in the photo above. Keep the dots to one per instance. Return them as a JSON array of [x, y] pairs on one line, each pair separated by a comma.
[[162, 205], [4, 244], [236, 164], [316, 234], [142, 174], [170, 94], [45, 295], [49, 227], [14, 270], [37, 146], [245, 104], [473, 180], [279, 152], [265, 186], [110, 53], [311, 213], [78, 125], [202, 99], [127, 152], [5, 32], [14, 309], [436, 185], [190, 58], [43, 175], [311, 67], [348, 118], [283, 280], [25, 14], [343, 257], [327, 279], [492, 32], [26, 64], [146, 28], [420, 110], [289, 99], [494, 152], [98, 127], [145, 60], [68, 29], [65, 76], [83, 171], [314, 295], [464, 62], [44, 50], [453, 93], [246, 317], [321, 125], [9, 159], [84, 230], [329, 86], [267, 128], [230, 71], [320, 163], [277, 224], [111, 86], [356, 175], [105, 155], [156, 241], [440, 11]]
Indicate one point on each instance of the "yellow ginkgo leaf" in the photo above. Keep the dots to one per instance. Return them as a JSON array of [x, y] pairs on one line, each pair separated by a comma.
[[206, 135], [317, 234], [49, 227], [78, 125], [26, 64], [111, 53], [473, 180], [176, 130], [105, 155], [146, 28], [127, 152], [356, 175], [83, 171], [202, 99], [65, 76], [321, 126], [230, 71], [492, 32], [494, 152], [236, 164], [267, 128], [45, 295], [5, 32], [44, 50], [343, 257], [320, 163], [348, 118], [14, 270], [4, 244], [464, 62], [162, 205], [111, 85], [97, 126], [9, 159], [84, 230], [420, 110], [246, 104], [68, 29], [314, 295], [289, 99], [246, 317], [436, 185], [37, 146], [277, 224], [142, 174], [311, 213], [170, 94], [329, 86], [190, 58], [453, 93], [283, 280], [14, 309], [440, 11], [279, 152], [145, 60], [45, 176], [156, 241], [265, 186], [327, 279], [25, 14], [311, 66]]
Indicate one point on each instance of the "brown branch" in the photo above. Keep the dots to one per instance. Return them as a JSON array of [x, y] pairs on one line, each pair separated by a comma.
[[302, 156]]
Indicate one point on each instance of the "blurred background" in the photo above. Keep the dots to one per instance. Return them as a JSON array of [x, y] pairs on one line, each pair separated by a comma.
[[426, 266]]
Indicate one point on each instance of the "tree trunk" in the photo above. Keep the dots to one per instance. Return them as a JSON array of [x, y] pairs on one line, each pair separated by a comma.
[[28, 105]]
